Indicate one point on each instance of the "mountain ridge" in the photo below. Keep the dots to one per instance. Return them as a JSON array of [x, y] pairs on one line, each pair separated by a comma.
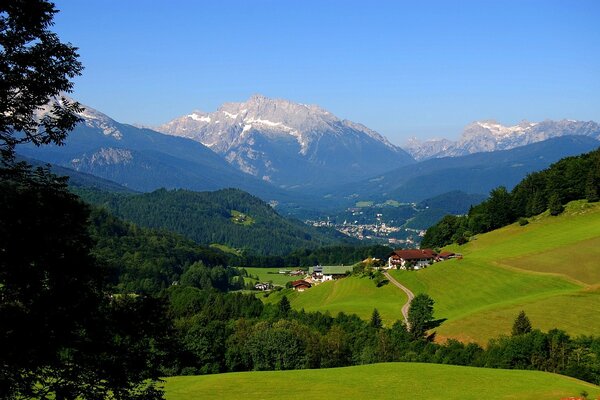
[[489, 135], [289, 144]]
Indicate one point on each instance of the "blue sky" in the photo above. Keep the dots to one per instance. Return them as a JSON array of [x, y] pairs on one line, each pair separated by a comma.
[[414, 68]]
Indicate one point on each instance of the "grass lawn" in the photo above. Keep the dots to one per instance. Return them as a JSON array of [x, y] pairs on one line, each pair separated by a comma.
[[380, 381], [538, 268], [272, 274], [351, 295]]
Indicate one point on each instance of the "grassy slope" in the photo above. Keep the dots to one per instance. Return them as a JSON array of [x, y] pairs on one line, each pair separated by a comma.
[[350, 295], [538, 268], [271, 274], [380, 381]]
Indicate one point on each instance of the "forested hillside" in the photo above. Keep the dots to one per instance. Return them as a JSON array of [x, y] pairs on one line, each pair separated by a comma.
[[571, 178], [228, 217]]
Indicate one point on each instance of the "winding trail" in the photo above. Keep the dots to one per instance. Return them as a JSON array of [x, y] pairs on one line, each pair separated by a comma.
[[406, 290]]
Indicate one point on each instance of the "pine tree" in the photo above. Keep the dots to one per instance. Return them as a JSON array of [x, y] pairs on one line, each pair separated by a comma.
[[591, 188], [554, 205], [522, 325], [284, 306], [376, 319]]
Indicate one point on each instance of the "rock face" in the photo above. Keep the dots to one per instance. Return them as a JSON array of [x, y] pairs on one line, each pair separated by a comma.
[[485, 136], [290, 144], [142, 159]]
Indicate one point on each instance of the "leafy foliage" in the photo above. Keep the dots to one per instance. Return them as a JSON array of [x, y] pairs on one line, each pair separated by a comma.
[[34, 66], [62, 335], [420, 315], [212, 217], [571, 178]]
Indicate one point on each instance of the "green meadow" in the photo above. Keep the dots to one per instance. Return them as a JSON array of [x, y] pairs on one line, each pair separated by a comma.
[[549, 268], [350, 295], [380, 381], [271, 274]]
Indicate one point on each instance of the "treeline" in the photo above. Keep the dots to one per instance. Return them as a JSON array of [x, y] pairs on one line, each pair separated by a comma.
[[571, 178], [328, 255], [221, 332], [210, 217], [144, 260]]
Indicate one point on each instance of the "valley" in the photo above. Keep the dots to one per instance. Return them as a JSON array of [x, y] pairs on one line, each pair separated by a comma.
[[239, 219]]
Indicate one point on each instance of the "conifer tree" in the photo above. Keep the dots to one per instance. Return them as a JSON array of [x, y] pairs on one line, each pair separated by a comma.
[[376, 319], [522, 325], [554, 205]]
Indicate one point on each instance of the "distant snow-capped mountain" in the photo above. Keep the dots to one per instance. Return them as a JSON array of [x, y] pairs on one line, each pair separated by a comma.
[[143, 159], [289, 144], [485, 136]]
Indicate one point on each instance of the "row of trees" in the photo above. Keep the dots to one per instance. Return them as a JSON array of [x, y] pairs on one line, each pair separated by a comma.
[[219, 332], [571, 178]]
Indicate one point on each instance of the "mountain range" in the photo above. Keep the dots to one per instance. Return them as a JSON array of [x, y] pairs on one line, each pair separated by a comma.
[[473, 173], [303, 159], [487, 136], [289, 144]]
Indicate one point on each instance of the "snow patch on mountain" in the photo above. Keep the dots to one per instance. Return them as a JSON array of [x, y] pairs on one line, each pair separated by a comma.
[[270, 137], [489, 135]]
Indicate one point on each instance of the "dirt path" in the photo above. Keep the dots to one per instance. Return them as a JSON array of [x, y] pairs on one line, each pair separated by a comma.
[[406, 290]]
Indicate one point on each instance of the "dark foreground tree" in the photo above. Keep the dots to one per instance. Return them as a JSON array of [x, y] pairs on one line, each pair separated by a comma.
[[420, 315], [522, 325], [35, 67], [62, 334]]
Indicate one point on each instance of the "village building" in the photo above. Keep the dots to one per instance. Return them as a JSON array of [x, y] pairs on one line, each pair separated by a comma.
[[301, 285], [329, 272], [263, 286], [411, 259]]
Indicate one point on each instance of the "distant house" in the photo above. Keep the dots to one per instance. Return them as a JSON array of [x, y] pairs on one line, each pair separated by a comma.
[[446, 255], [297, 272], [316, 272], [329, 272], [411, 259], [300, 285], [332, 272], [263, 286]]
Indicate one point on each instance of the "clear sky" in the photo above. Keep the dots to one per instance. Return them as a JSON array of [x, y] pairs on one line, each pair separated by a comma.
[[403, 68]]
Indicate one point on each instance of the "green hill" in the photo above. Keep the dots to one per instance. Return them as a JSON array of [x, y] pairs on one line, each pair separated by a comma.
[[351, 295], [549, 268], [228, 217], [380, 381]]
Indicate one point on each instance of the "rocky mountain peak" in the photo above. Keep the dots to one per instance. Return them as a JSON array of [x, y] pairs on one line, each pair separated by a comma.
[[490, 135], [248, 133]]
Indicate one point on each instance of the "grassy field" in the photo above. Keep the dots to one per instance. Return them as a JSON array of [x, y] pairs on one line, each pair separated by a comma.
[[271, 274], [549, 268], [380, 381], [350, 295]]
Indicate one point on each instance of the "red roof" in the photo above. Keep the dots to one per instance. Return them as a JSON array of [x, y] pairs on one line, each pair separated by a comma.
[[299, 283], [414, 254], [446, 254]]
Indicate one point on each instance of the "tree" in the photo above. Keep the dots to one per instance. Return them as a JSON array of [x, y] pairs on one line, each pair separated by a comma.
[[35, 67], [376, 319], [420, 315], [62, 336], [284, 306], [522, 325], [554, 204]]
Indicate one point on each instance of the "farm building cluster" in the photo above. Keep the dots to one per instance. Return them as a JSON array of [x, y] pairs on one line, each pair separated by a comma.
[[409, 259], [417, 258]]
